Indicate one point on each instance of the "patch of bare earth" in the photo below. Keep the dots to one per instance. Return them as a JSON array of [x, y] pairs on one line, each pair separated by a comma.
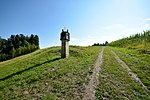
[[90, 89], [133, 75]]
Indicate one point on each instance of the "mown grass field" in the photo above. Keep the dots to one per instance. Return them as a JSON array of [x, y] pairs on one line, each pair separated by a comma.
[[44, 75], [116, 83]]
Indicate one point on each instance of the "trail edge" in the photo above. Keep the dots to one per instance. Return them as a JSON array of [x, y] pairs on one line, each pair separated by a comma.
[[90, 89]]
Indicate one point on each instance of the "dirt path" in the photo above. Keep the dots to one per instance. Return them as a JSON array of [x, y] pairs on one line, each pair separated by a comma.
[[90, 89], [133, 75]]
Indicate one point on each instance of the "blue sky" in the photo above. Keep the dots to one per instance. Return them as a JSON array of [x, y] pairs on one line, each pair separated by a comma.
[[88, 21]]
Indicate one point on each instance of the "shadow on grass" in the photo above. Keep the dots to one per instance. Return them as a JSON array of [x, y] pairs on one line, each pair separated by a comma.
[[19, 72]]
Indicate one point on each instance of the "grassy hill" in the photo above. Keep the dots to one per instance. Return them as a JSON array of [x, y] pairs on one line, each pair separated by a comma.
[[139, 42], [44, 75], [116, 82]]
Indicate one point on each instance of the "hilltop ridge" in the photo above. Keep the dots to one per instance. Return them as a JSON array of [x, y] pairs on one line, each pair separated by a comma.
[[139, 41]]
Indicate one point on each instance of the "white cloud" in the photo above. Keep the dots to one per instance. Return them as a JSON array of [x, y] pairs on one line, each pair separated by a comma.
[[144, 24], [139, 18], [146, 27], [142, 20], [146, 19], [82, 42], [73, 39], [111, 32], [116, 26], [91, 39]]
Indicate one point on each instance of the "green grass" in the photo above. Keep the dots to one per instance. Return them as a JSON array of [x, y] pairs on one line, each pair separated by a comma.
[[138, 62], [115, 83], [44, 75], [141, 47]]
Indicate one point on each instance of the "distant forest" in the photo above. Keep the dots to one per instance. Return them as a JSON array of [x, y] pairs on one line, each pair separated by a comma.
[[18, 45], [99, 44]]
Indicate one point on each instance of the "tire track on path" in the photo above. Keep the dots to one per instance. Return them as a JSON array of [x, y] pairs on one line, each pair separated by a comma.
[[133, 75], [90, 89]]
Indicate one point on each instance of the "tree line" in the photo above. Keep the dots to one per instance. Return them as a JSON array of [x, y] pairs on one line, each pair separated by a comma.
[[100, 44], [17, 45], [132, 40]]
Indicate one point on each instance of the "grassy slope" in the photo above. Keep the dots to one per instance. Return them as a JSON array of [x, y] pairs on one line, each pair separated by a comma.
[[115, 83], [139, 63], [139, 42], [143, 47], [44, 75]]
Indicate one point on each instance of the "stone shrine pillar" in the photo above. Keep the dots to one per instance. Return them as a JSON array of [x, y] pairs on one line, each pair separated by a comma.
[[65, 38]]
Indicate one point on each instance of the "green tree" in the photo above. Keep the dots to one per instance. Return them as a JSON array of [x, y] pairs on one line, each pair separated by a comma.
[[36, 40], [12, 52]]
